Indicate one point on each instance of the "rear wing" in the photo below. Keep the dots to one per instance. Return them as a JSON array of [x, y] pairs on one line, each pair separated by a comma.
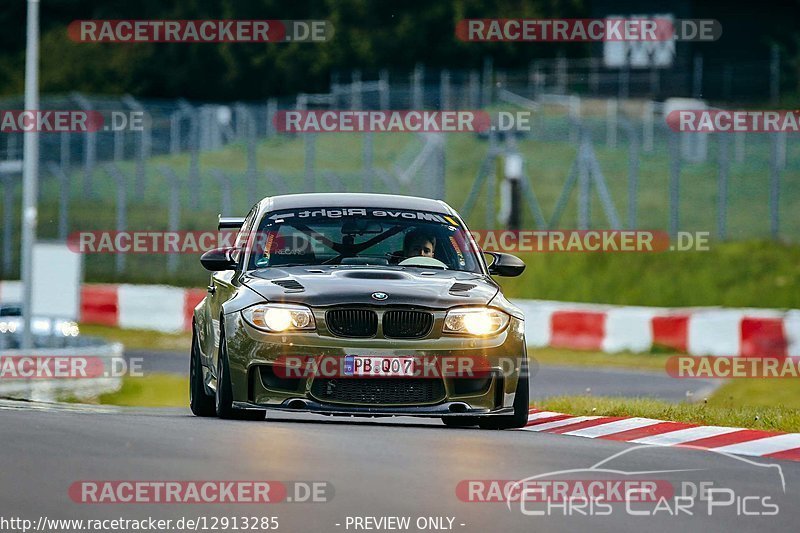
[[230, 222]]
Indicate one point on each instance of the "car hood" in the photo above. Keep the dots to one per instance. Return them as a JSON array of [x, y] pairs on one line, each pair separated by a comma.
[[339, 285]]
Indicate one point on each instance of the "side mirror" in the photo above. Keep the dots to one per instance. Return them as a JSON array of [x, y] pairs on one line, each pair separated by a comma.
[[505, 265], [217, 260]]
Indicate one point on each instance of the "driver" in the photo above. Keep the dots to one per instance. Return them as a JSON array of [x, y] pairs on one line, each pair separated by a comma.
[[419, 243]]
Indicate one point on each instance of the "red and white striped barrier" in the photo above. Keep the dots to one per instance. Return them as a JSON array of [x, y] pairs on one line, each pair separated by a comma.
[[697, 331], [153, 307], [694, 330], [739, 441]]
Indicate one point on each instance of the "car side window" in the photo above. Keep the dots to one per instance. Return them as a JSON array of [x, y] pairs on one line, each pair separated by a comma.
[[243, 236]]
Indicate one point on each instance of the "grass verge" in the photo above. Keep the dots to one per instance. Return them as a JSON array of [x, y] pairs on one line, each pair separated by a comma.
[[140, 339], [757, 404]]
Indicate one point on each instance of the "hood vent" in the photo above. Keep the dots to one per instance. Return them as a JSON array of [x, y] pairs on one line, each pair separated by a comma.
[[373, 274], [461, 287], [289, 284]]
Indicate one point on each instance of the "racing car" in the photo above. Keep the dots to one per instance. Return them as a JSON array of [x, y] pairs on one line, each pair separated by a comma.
[[358, 305]]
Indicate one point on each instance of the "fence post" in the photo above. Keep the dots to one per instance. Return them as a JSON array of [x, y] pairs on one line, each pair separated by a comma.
[[561, 74], [64, 154], [486, 96], [383, 89], [252, 162], [90, 149], [739, 140], [775, 74], [173, 223], [612, 113], [584, 185], [674, 183], [310, 156], [8, 221], [367, 152], [444, 90], [474, 90], [723, 163], [594, 82], [633, 176], [63, 198], [624, 82], [417, 98], [175, 132], [697, 76], [648, 124], [194, 161], [272, 108], [122, 212], [355, 90], [774, 188]]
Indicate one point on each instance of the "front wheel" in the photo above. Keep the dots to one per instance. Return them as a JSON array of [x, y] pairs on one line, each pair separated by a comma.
[[224, 396], [521, 406], [200, 402]]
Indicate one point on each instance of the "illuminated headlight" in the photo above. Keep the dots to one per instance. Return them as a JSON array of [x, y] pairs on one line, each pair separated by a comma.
[[477, 321], [279, 317]]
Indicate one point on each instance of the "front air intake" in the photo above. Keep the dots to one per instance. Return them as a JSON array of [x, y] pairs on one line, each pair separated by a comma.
[[352, 322]]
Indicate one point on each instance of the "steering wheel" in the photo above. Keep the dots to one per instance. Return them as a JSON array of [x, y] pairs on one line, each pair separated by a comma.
[[425, 262]]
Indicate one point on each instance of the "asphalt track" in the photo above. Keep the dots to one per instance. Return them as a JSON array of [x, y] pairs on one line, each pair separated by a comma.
[[383, 467]]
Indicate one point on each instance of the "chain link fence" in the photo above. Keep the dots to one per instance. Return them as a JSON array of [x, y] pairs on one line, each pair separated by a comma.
[[196, 159]]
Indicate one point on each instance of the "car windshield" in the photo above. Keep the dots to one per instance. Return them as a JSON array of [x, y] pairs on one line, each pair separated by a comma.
[[357, 236]]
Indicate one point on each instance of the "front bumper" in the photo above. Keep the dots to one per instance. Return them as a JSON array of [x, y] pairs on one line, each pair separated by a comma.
[[255, 358]]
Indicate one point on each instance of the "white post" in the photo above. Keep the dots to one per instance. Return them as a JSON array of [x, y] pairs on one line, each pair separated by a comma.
[[30, 171]]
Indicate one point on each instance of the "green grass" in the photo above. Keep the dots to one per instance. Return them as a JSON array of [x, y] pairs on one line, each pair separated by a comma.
[[770, 404], [155, 390], [560, 356], [140, 339], [759, 404]]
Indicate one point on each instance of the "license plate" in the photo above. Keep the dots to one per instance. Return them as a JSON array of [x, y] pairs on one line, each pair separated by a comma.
[[377, 366]]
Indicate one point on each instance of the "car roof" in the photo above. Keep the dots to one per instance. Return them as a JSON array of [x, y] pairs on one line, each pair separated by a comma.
[[380, 201]]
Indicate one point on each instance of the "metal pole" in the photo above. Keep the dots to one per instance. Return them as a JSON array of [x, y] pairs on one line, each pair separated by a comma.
[[633, 176], [367, 152], [674, 183], [774, 189], [310, 155], [722, 186], [174, 216], [697, 86], [775, 74], [8, 221], [30, 171]]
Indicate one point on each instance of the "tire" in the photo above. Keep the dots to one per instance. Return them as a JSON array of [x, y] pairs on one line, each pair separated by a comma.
[[200, 402], [521, 401], [223, 400], [460, 421]]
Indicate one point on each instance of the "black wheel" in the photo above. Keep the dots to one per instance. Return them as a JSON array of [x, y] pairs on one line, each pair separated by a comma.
[[521, 401], [224, 397], [460, 421], [200, 402]]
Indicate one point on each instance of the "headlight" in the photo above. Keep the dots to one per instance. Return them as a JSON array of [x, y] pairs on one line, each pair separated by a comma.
[[475, 321], [279, 317]]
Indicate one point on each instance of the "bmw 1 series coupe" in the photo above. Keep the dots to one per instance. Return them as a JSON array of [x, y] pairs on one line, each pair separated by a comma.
[[358, 305]]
